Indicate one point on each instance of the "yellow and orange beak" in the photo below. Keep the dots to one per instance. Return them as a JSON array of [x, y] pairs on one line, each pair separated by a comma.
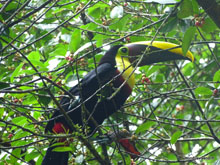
[[157, 51]]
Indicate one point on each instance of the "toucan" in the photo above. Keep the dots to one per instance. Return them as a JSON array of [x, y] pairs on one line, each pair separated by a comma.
[[105, 89]]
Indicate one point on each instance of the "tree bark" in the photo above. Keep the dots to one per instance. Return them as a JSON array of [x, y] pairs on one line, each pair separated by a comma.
[[212, 8]]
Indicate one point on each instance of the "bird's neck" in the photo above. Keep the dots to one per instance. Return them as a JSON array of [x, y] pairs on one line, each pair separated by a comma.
[[124, 66]]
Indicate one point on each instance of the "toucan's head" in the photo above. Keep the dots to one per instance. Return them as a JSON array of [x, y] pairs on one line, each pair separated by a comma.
[[157, 51], [140, 54], [147, 52], [110, 55]]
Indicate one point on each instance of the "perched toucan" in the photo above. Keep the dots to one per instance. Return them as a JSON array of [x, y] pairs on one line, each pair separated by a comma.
[[105, 89]]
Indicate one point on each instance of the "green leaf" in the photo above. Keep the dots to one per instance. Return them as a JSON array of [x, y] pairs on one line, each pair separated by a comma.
[[99, 39], [186, 9], [45, 100], [16, 72], [62, 149], [3, 85], [170, 25], [60, 50], [203, 91], [2, 124], [160, 78], [39, 64], [95, 11], [11, 6], [120, 24], [16, 152], [153, 69], [209, 25], [89, 26], [37, 115], [175, 137], [188, 36], [1, 112], [57, 144], [195, 7], [35, 55], [75, 41], [31, 156], [19, 134], [20, 142], [216, 78], [20, 120], [188, 69], [145, 126]]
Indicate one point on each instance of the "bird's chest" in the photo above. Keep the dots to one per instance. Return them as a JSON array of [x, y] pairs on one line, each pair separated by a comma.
[[122, 86], [126, 72], [116, 89]]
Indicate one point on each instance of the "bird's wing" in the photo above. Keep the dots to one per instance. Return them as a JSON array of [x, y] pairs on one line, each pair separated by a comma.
[[87, 87], [92, 82]]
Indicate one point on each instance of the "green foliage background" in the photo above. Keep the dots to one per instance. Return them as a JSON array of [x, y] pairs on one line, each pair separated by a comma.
[[46, 46]]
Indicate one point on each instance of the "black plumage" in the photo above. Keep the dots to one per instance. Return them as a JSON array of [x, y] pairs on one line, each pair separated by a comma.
[[94, 92]]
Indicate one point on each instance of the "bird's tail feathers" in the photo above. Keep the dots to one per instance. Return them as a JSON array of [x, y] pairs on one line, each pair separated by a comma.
[[53, 157]]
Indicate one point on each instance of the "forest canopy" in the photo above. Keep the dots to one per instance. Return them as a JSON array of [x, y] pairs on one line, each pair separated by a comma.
[[48, 46]]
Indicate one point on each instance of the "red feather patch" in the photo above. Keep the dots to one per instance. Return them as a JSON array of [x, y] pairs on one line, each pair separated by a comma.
[[60, 128], [129, 147]]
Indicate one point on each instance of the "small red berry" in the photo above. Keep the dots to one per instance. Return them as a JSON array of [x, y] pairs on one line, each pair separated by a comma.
[[59, 83], [15, 100], [128, 39], [24, 67], [197, 24], [147, 80], [172, 74], [10, 135], [202, 22], [50, 77], [182, 107], [71, 59], [215, 92], [125, 4]]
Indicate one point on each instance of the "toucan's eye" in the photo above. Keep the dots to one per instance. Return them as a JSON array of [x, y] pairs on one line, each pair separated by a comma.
[[123, 50]]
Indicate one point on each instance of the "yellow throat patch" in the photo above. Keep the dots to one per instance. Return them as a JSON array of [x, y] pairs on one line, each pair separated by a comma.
[[124, 66]]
